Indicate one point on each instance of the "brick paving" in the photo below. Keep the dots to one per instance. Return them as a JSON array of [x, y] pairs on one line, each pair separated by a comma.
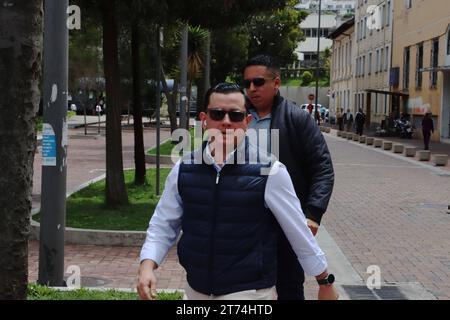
[[384, 211], [391, 213]]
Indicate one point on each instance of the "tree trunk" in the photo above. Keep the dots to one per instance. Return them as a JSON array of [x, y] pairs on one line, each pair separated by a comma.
[[171, 101], [20, 70], [139, 153], [116, 193]]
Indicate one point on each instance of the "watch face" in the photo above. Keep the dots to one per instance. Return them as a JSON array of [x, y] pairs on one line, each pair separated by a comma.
[[331, 278]]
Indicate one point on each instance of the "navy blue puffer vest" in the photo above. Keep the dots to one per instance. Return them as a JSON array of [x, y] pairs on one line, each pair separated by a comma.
[[229, 237]]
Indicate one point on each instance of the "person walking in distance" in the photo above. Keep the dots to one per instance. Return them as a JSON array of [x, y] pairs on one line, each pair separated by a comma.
[[360, 119], [427, 130], [340, 118], [348, 120], [302, 149]]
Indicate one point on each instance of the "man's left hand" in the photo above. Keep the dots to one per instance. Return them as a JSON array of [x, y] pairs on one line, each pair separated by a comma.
[[328, 292], [313, 226]]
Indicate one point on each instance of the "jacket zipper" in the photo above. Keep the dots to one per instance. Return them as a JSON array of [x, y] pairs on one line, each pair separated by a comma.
[[211, 237]]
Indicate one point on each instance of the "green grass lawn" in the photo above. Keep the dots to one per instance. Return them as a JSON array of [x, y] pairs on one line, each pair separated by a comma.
[[37, 292], [166, 147], [86, 209], [292, 82]]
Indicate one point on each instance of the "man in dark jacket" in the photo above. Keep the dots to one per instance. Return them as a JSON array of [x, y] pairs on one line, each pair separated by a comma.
[[360, 119], [302, 149], [427, 130]]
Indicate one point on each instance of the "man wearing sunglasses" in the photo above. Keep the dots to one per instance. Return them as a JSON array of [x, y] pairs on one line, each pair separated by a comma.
[[227, 211], [302, 149]]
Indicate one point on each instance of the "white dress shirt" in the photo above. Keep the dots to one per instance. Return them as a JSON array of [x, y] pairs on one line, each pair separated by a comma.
[[165, 224]]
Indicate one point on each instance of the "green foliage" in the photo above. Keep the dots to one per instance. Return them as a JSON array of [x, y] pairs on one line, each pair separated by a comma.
[[38, 292], [292, 82], [39, 124], [86, 209], [229, 50], [276, 33], [219, 14], [307, 78], [85, 56], [71, 114], [196, 48]]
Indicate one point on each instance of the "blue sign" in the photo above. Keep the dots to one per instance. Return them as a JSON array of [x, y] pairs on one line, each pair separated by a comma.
[[48, 146]]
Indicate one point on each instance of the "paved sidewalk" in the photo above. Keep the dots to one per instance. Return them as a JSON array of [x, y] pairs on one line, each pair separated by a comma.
[[384, 211]]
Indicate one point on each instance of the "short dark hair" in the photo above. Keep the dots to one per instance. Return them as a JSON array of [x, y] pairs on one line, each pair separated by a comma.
[[264, 60], [225, 88]]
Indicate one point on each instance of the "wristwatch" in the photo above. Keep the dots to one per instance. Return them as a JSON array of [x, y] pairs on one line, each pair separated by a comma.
[[329, 279]]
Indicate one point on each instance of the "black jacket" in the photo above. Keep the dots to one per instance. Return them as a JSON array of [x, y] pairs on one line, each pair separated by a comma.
[[304, 152]]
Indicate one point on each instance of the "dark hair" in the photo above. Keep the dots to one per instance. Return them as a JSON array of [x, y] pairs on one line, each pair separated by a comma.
[[264, 60], [225, 88]]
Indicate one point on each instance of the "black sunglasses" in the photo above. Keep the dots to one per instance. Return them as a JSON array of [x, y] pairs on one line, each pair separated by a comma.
[[219, 115], [257, 82]]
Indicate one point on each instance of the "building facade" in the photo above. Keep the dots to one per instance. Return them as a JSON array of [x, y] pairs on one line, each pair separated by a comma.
[[342, 67], [372, 57], [340, 7], [421, 61], [307, 50]]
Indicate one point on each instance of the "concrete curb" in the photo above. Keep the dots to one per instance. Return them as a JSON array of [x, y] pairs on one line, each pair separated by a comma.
[[92, 236], [431, 167]]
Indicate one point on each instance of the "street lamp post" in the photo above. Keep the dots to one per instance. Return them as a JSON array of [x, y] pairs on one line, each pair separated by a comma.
[[54, 144], [318, 54]]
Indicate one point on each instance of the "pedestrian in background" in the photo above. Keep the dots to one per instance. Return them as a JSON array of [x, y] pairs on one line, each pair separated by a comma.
[[360, 119], [427, 130], [340, 118], [317, 116], [348, 120]]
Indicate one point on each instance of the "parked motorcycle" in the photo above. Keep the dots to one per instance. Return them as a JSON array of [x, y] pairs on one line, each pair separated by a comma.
[[403, 128]]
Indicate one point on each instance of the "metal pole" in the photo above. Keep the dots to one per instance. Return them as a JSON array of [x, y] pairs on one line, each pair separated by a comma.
[[54, 152], [318, 55], [98, 118], [84, 103], [183, 77], [207, 63], [158, 106]]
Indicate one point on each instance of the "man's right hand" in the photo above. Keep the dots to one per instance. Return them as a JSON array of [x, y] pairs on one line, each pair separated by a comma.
[[146, 287]]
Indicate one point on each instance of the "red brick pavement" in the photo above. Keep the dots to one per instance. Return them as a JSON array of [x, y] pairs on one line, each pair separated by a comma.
[[391, 213], [383, 211]]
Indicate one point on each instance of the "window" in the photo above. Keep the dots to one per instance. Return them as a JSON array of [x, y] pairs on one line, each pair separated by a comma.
[[381, 59], [370, 64], [419, 65], [364, 66], [388, 14], [408, 3], [377, 62], [406, 62], [448, 42], [434, 61], [386, 64], [365, 27]]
